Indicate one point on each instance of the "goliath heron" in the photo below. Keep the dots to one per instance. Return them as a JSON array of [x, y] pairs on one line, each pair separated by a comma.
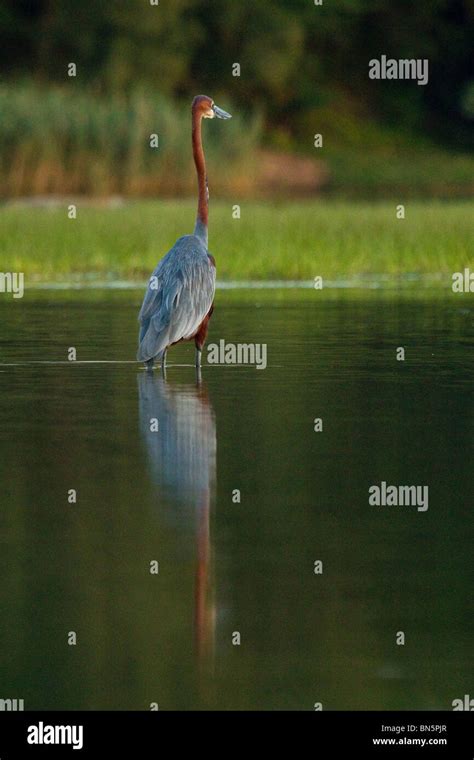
[[178, 302]]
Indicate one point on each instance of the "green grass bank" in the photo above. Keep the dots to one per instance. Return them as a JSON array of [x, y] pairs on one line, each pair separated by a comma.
[[301, 240]]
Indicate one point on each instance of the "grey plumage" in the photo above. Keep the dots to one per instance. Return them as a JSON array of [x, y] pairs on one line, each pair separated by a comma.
[[179, 295]]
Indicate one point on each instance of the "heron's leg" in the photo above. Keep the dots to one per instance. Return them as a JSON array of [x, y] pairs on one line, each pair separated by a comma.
[[149, 365], [200, 337], [198, 374], [163, 364]]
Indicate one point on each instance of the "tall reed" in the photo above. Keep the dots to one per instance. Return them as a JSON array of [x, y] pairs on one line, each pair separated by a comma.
[[68, 141]]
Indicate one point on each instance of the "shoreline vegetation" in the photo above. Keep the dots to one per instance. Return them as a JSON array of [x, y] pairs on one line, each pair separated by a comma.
[[71, 141], [335, 240]]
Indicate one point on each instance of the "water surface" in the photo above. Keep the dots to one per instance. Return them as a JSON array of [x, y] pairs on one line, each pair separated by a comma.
[[224, 566]]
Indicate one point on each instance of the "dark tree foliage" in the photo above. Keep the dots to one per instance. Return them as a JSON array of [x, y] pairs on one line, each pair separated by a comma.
[[294, 56]]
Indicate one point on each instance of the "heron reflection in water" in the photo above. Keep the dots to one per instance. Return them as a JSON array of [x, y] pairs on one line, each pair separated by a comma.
[[182, 463]]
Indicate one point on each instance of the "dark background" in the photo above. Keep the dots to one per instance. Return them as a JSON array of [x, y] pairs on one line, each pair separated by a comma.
[[304, 69]]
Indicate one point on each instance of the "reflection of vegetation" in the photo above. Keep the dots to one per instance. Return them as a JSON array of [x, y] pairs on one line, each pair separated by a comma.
[[297, 241]]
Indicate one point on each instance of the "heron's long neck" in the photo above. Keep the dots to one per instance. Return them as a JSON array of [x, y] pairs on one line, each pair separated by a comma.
[[203, 195]]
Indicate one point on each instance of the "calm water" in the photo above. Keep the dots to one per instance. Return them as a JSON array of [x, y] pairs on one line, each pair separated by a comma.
[[227, 567]]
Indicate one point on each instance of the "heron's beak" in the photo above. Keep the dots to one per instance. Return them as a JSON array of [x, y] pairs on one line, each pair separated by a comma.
[[220, 113]]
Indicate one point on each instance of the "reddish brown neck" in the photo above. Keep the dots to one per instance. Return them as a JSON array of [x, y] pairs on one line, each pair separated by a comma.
[[199, 160]]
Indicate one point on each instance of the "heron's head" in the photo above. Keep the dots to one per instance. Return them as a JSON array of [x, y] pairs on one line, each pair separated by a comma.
[[205, 107]]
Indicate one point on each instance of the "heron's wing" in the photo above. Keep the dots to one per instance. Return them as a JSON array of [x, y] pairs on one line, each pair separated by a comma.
[[153, 295], [179, 296], [193, 300]]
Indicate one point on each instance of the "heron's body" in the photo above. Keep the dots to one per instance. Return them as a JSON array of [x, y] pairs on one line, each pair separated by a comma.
[[179, 299]]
